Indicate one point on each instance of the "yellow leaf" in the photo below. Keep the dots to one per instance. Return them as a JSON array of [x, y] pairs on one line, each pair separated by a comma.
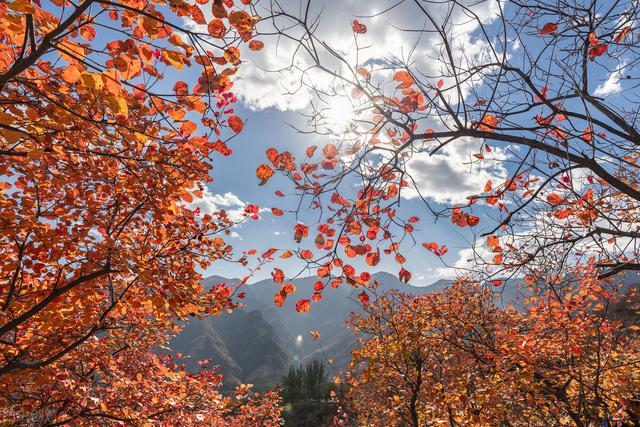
[[92, 80], [173, 58]]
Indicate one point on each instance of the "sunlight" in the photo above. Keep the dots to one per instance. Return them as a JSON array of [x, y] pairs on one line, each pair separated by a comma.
[[338, 114]]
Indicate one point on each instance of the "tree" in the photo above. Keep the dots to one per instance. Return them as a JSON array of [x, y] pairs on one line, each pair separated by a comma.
[[100, 156], [136, 388], [570, 155], [516, 83], [455, 358], [308, 396]]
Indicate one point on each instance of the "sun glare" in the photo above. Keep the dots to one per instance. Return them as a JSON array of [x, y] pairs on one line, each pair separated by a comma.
[[339, 113]]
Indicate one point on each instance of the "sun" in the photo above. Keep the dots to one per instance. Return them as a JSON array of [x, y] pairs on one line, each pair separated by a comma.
[[339, 114]]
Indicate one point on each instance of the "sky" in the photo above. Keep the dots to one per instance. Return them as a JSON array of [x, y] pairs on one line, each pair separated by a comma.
[[271, 113]]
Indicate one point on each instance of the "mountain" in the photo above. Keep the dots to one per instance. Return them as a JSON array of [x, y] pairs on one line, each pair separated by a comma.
[[258, 342]]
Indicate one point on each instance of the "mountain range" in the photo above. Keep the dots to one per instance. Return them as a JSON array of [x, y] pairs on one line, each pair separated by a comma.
[[257, 343]]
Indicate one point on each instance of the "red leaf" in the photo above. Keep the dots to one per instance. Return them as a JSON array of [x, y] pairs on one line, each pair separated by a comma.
[[311, 150], [268, 253], [472, 220], [554, 199], [364, 298], [432, 246], [358, 28], [404, 275], [278, 275], [256, 45], [598, 50], [303, 305], [548, 28]]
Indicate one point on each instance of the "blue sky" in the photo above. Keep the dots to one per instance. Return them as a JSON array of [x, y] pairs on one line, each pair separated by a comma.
[[267, 109], [236, 174]]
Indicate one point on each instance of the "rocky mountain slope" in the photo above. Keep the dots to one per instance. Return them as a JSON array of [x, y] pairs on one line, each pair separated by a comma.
[[257, 343]]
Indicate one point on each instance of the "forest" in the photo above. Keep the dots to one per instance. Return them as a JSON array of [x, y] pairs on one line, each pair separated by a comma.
[[320, 213]]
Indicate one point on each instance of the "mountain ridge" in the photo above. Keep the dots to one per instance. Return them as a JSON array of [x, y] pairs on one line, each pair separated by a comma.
[[259, 341]]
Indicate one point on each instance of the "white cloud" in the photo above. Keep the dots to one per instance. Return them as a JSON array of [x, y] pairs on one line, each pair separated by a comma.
[[450, 175], [210, 202], [273, 76], [612, 85]]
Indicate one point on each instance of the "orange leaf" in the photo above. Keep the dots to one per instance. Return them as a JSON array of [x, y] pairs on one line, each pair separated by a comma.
[[216, 28], [256, 45], [622, 34], [286, 254], [488, 123], [71, 74], [563, 213], [236, 124], [404, 78], [289, 288], [372, 259], [311, 150], [279, 298], [264, 172]]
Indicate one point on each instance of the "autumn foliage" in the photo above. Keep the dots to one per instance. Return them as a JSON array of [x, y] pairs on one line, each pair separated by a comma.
[[104, 146], [456, 357], [102, 149]]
